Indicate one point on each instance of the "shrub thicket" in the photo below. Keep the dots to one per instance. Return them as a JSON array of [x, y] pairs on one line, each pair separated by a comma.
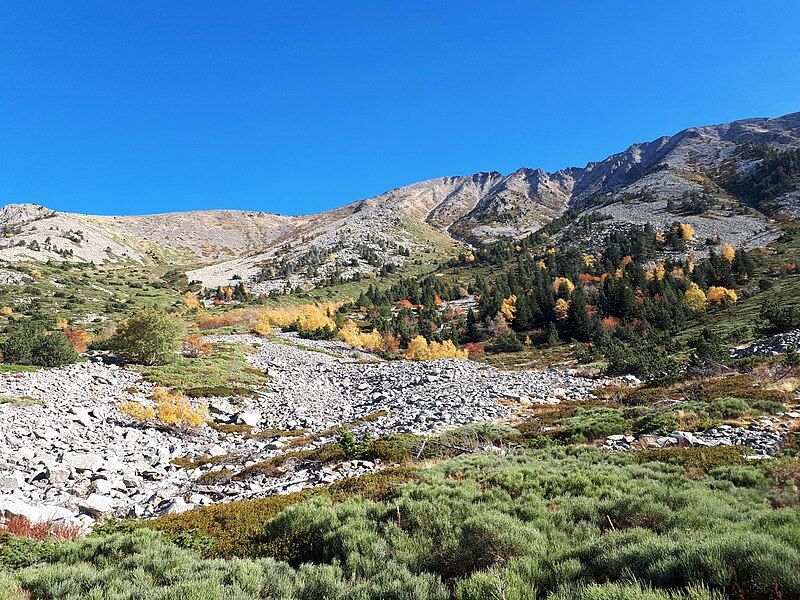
[[32, 342], [561, 523]]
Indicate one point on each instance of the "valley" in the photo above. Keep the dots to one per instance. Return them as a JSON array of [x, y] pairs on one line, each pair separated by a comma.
[[488, 386]]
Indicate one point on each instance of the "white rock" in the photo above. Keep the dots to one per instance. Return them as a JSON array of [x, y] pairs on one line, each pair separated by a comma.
[[82, 461], [10, 507], [96, 505], [175, 506], [250, 418]]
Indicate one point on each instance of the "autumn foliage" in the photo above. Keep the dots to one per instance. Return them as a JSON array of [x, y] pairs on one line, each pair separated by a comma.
[[306, 317], [194, 346], [370, 342], [420, 349], [694, 298], [78, 339], [45, 530], [171, 408], [721, 295], [190, 300], [137, 411]]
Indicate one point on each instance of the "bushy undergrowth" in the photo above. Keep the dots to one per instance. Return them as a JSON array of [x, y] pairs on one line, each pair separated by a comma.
[[562, 523]]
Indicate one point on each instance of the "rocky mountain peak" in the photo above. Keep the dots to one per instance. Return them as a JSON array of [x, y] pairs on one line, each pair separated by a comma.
[[20, 214]]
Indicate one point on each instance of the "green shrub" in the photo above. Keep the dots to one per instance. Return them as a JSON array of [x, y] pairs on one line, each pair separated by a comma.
[[654, 422], [703, 459], [397, 448], [617, 591], [565, 522], [17, 552], [351, 449], [150, 337], [230, 526], [593, 424], [32, 342], [779, 316], [646, 360]]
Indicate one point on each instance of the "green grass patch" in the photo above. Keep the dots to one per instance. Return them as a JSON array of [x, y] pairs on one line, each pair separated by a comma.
[[247, 431], [19, 400], [8, 368], [223, 372]]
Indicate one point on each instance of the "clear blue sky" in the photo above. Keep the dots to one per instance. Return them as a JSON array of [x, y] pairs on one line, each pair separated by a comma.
[[147, 106]]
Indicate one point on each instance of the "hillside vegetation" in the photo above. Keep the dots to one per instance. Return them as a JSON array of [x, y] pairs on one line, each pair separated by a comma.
[[543, 524], [580, 385]]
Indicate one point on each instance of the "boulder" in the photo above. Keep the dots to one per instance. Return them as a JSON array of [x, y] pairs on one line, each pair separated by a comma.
[[82, 461], [96, 505], [247, 417], [11, 507], [174, 506]]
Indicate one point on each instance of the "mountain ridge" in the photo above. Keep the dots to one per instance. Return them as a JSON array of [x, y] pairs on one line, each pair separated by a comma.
[[724, 163]]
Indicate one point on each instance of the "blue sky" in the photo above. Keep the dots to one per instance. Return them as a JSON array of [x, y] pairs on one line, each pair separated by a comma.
[[147, 106]]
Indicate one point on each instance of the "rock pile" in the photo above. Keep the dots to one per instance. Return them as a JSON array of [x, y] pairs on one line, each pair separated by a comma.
[[771, 346], [67, 453], [318, 390], [764, 437]]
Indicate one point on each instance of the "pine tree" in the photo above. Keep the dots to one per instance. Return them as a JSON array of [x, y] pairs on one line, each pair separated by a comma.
[[579, 322], [472, 334], [552, 334]]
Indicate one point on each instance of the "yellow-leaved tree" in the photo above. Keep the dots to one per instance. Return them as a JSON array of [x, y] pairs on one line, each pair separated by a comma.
[[687, 232], [508, 308], [353, 336], [190, 300], [694, 298], [721, 295], [563, 282], [420, 349], [728, 253], [561, 308], [308, 317]]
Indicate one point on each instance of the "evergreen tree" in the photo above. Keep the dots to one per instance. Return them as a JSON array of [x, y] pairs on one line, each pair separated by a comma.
[[579, 323]]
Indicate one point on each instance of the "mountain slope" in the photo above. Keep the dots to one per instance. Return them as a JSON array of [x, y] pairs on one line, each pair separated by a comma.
[[726, 178]]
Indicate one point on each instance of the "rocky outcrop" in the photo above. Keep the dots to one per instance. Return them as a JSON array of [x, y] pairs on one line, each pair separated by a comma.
[[424, 216]]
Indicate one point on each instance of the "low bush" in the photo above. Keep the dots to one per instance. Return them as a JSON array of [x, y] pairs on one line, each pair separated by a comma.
[[565, 522], [32, 342], [352, 448], [225, 530], [150, 337], [171, 408], [194, 346], [593, 424], [703, 459]]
